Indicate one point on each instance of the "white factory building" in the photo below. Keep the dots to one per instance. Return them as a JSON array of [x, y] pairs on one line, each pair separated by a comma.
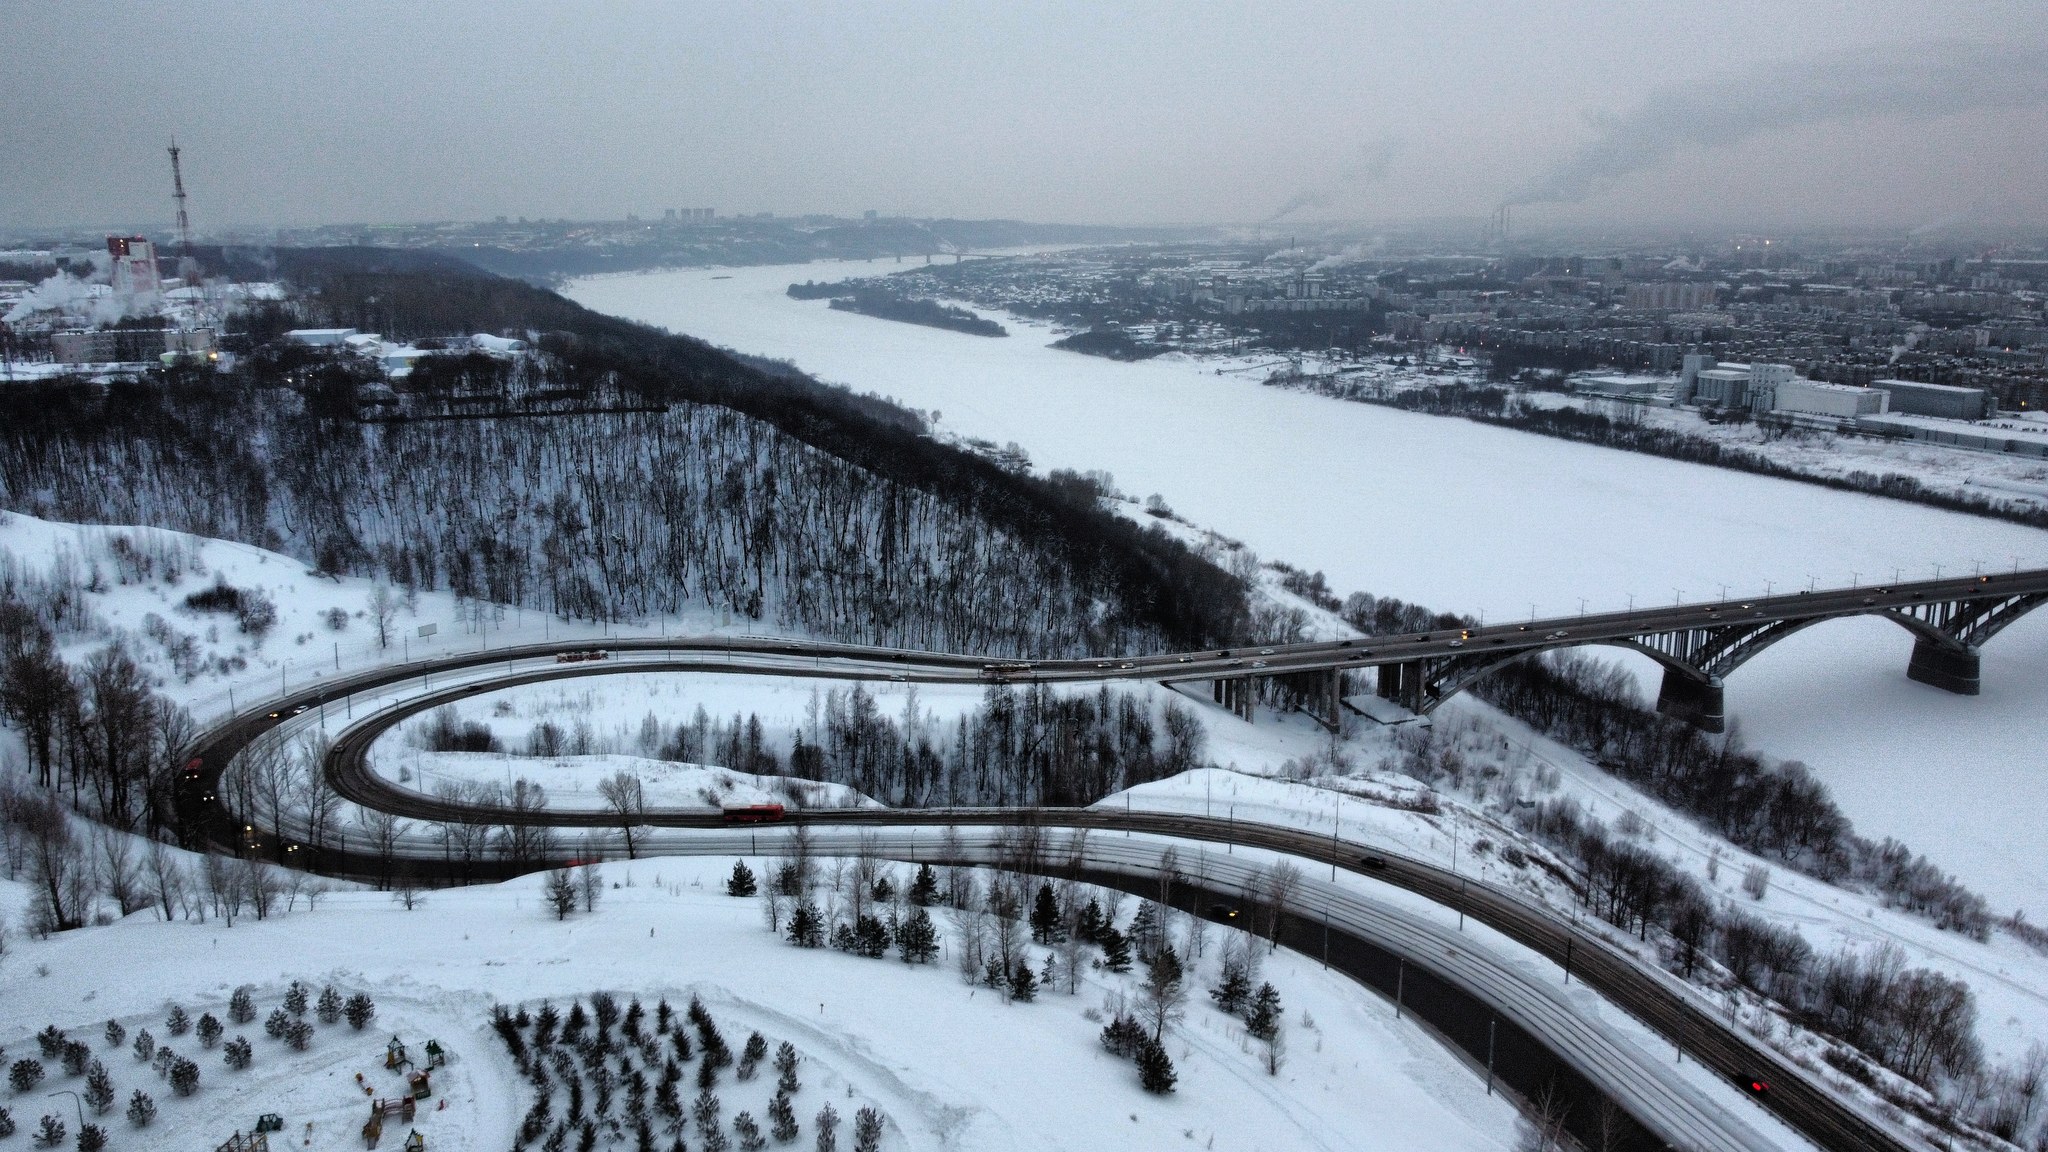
[[1818, 398]]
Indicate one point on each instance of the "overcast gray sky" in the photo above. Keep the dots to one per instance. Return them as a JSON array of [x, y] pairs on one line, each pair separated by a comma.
[[1778, 113]]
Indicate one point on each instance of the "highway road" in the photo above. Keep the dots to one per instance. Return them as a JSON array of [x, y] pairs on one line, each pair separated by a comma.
[[1666, 1104]]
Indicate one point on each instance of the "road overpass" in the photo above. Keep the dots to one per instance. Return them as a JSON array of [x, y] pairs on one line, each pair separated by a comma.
[[1948, 618]]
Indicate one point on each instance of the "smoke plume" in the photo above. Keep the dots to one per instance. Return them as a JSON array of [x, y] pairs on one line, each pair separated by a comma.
[[1905, 81], [1369, 165]]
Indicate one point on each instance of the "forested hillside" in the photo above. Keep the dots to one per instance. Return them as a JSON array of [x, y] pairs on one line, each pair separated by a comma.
[[615, 472]]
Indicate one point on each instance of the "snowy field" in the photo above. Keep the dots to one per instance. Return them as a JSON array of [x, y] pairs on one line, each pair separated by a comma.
[[911, 1041], [1467, 518]]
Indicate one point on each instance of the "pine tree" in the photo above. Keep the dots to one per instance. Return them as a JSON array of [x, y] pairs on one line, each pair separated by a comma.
[[827, 1124], [237, 1054], [1230, 996], [77, 1054], [917, 938], [209, 1031], [26, 1073], [884, 889], [184, 1077], [359, 1010], [924, 889], [870, 937], [806, 926], [1144, 933], [604, 1011], [756, 1050], [295, 999], [1123, 1036], [115, 1034], [867, 1130], [91, 1138], [51, 1132], [275, 1024], [560, 892], [145, 1045], [1116, 950], [663, 1015], [748, 1133], [141, 1109], [177, 1023], [99, 1089], [242, 1006], [785, 1069], [1263, 1021], [781, 1119], [1089, 926], [1155, 1069], [6, 1123], [1045, 917], [1023, 985], [705, 1112], [668, 1105], [299, 1034], [329, 1009]]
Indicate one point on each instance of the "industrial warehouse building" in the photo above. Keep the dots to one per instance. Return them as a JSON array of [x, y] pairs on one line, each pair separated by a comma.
[[1914, 398]]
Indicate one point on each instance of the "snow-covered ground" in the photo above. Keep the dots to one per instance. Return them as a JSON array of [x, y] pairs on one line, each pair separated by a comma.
[[912, 1041], [572, 781], [1468, 518], [207, 662]]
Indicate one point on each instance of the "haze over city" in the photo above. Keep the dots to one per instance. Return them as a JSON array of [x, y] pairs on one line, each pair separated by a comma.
[[1710, 114]]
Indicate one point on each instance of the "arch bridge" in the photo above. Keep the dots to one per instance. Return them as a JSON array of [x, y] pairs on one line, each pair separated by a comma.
[[1697, 645]]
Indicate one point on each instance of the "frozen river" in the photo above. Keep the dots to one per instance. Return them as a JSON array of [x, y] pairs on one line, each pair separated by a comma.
[[1467, 518]]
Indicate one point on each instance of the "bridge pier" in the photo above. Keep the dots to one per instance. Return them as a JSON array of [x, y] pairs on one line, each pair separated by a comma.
[[1695, 701], [1401, 683], [1235, 694], [1951, 669]]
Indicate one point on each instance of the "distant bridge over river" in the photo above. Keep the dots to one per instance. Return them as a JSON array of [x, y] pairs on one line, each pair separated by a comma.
[[1697, 645]]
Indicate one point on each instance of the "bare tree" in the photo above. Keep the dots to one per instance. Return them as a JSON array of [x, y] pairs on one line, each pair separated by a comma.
[[166, 878], [260, 884], [523, 839], [802, 852], [321, 803], [627, 802], [383, 610], [381, 829], [120, 877], [959, 880], [409, 892], [1279, 885], [867, 868], [589, 884], [224, 887], [172, 733], [57, 868], [1166, 991], [274, 775], [1073, 959]]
